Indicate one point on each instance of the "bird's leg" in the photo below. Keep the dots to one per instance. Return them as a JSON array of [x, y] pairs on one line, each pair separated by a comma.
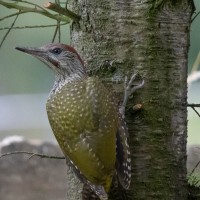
[[128, 91]]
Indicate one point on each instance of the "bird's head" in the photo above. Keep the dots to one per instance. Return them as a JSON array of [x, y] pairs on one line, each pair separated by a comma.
[[63, 59]]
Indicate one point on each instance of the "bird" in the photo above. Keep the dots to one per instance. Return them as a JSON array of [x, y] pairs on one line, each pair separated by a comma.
[[86, 120]]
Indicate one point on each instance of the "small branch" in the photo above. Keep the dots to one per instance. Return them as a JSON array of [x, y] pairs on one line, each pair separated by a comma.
[[59, 32], [25, 27], [36, 9], [195, 17], [27, 2], [57, 8], [6, 35], [12, 15], [31, 155], [195, 111], [55, 33], [192, 105], [194, 168]]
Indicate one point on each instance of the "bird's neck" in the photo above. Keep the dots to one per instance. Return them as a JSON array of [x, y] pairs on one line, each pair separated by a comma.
[[68, 72], [63, 79]]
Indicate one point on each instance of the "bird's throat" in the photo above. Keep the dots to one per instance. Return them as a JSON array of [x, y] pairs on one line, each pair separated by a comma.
[[61, 80]]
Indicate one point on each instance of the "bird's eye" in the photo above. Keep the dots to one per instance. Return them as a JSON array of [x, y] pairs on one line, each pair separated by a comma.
[[57, 51]]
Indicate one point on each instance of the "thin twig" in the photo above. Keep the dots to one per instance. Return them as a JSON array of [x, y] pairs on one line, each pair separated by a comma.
[[33, 4], [32, 154], [194, 168], [6, 35], [195, 17], [195, 111], [55, 33], [59, 32], [25, 27], [193, 105], [35, 9], [57, 8], [12, 15]]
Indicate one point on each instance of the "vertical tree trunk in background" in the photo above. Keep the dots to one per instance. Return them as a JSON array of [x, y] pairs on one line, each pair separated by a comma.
[[149, 37]]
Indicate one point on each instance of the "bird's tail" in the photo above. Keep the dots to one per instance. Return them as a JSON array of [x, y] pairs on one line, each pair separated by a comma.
[[90, 191], [89, 194], [117, 191]]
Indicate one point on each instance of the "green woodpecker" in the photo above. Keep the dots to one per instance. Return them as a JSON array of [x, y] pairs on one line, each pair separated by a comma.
[[85, 120]]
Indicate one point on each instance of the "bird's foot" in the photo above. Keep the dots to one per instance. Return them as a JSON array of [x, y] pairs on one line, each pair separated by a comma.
[[129, 89]]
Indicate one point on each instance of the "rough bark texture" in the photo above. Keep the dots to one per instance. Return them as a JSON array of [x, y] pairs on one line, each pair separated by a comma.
[[150, 37]]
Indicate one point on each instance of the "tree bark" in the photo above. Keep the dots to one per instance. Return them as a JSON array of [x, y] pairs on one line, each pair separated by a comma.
[[149, 37]]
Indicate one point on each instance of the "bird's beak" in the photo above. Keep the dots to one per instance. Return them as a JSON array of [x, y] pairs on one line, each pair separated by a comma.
[[40, 54], [32, 51]]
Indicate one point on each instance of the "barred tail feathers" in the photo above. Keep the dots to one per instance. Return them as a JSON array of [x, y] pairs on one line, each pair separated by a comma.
[[123, 163], [93, 192]]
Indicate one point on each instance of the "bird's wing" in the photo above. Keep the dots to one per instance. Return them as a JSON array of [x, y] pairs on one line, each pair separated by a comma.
[[85, 124]]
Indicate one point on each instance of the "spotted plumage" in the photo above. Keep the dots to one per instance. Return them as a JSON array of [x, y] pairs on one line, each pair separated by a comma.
[[85, 121], [85, 127]]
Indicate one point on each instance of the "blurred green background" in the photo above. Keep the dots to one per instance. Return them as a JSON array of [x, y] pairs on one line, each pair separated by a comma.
[[25, 82]]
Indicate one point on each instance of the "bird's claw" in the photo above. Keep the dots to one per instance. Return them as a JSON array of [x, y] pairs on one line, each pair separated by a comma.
[[128, 91]]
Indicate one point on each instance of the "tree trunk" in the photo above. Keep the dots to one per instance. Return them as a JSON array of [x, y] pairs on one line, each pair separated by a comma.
[[152, 38]]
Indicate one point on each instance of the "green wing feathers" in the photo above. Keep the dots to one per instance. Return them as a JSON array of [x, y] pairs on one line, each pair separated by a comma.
[[85, 122]]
